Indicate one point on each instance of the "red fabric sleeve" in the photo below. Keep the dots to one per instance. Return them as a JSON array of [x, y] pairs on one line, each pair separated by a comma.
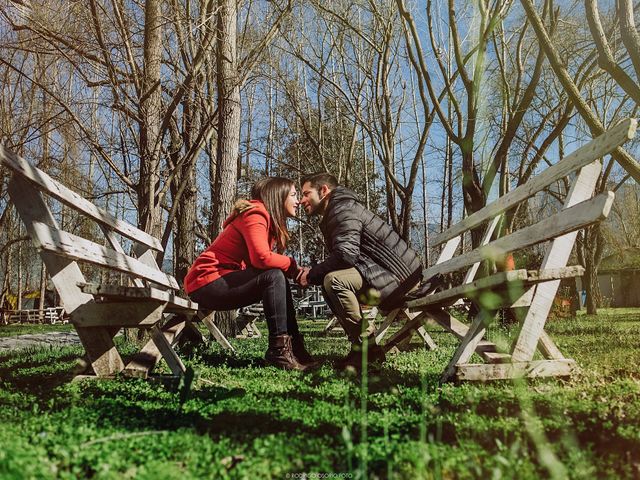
[[255, 231]]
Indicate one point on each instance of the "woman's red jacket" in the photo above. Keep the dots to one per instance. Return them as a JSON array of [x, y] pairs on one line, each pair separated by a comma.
[[245, 240]]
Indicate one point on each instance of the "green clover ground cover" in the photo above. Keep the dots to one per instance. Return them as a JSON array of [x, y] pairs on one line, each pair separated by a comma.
[[243, 420], [15, 329]]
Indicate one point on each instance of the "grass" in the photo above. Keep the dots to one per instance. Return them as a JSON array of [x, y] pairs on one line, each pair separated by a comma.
[[16, 329], [244, 420]]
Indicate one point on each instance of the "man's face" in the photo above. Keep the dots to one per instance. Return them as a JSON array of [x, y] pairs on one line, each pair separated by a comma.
[[312, 199]]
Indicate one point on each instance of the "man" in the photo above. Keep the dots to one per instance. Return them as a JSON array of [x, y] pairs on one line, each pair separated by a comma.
[[367, 261]]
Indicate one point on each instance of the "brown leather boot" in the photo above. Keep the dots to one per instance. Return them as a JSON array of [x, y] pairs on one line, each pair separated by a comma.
[[301, 353], [281, 355]]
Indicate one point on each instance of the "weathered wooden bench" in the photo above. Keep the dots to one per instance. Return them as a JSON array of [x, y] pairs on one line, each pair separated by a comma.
[[395, 309], [528, 292], [97, 309]]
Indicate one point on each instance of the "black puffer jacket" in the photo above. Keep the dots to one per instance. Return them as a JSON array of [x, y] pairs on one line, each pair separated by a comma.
[[355, 237]]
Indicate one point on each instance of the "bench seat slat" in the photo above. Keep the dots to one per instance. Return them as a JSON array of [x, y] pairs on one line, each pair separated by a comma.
[[493, 282], [121, 293], [565, 221], [595, 149], [77, 248], [45, 183]]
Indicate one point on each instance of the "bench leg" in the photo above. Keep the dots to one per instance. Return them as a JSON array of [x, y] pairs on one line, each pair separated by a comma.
[[403, 336], [146, 359], [406, 331], [256, 331], [426, 338], [331, 323], [191, 333], [100, 349], [390, 318], [469, 343], [548, 348], [215, 331], [166, 350]]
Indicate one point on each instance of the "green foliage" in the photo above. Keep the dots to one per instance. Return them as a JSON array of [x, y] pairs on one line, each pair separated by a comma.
[[24, 328], [239, 419]]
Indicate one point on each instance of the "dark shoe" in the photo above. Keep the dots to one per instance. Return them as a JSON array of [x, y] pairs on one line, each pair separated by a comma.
[[375, 355], [280, 354], [301, 353]]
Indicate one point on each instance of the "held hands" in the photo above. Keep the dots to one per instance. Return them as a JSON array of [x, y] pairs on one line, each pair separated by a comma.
[[301, 278]]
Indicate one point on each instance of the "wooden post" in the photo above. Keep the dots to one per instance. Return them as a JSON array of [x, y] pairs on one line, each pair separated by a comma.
[[557, 256]]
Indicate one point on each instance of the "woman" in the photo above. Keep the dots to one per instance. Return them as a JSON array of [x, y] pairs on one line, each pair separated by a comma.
[[240, 268]]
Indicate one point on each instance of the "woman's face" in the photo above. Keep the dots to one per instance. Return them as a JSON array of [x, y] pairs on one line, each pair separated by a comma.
[[291, 203]]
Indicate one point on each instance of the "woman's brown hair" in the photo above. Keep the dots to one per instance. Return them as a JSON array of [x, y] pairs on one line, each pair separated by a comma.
[[273, 192]]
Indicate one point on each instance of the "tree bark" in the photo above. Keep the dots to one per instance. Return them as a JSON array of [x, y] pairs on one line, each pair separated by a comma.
[[630, 36], [227, 148], [606, 61], [183, 191], [149, 212], [43, 286], [20, 290], [593, 247], [227, 80]]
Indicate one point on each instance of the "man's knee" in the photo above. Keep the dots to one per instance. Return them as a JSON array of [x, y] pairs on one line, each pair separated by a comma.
[[343, 280], [333, 282]]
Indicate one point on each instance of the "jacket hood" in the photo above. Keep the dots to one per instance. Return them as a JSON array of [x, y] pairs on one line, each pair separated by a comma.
[[241, 206], [340, 194]]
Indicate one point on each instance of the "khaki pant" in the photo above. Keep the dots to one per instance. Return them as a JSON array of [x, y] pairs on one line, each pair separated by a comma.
[[341, 290]]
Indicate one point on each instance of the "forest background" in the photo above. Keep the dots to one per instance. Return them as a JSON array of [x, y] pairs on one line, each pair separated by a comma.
[[164, 112]]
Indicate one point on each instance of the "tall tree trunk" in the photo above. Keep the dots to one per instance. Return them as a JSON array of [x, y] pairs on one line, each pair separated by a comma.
[[43, 286], [474, 198], [425, 215], [228, 129], [19, 302], [228, 144], [149, 212], [592, 256], [183, 191], [5, 287], [185, 240]]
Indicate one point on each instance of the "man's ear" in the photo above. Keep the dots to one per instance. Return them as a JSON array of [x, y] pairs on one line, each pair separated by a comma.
[[324, 190]]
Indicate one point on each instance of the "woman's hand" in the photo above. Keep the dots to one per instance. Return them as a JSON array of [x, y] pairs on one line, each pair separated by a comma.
[[301, 278]]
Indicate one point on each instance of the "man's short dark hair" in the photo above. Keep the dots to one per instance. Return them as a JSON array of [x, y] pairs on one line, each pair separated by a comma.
[[318, 179]]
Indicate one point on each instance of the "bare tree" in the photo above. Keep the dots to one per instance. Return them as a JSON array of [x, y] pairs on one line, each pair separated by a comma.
[[463, 125], [595, 125]]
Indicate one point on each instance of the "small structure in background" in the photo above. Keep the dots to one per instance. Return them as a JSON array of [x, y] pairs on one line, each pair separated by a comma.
[[310, 302], [247, 317], [619, 279], [51, 313]]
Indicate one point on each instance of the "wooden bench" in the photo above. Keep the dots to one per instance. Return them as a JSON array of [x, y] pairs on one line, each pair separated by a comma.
[[529, 292], [98, 310]]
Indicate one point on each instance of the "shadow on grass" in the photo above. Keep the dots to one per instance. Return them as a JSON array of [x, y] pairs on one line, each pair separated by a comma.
[[39, 371], [126, 409], [217, 359], [241, 424]]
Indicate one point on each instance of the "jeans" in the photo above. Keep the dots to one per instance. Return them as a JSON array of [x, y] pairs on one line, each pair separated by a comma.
[[245, 287]]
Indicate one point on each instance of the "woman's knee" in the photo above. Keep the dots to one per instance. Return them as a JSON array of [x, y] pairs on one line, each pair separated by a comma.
[[274, 276]]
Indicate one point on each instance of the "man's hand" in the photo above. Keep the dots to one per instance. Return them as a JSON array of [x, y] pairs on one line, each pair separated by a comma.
[[301, 279]]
